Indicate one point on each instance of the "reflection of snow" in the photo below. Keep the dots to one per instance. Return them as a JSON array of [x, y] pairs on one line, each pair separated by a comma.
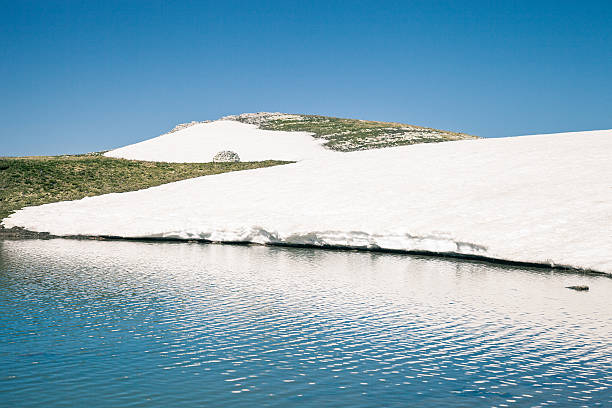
[[265, 315], [347, 282], [542, 199]]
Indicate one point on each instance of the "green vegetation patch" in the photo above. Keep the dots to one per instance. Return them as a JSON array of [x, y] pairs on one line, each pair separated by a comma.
[[28, 181], [351, 134]]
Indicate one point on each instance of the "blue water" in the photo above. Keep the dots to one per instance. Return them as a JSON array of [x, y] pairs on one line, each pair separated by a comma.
[[99, 324]]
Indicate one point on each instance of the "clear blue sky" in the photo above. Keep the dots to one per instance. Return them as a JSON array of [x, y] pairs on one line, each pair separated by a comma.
[[79, 76]]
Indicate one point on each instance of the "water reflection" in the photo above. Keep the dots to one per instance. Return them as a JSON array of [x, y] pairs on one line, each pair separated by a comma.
[[128, 323]]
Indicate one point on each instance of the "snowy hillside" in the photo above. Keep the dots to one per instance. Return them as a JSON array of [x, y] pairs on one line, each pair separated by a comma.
[[542, 199], [199, 142], [277, 136]]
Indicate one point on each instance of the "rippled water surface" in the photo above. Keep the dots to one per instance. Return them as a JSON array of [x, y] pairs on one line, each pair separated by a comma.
[[88, 323]]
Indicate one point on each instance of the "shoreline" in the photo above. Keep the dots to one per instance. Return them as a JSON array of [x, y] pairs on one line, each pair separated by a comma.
[[17, 233]]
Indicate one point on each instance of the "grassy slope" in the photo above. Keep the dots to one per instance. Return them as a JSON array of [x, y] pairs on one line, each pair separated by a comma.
[[351, 134], [27, 181]]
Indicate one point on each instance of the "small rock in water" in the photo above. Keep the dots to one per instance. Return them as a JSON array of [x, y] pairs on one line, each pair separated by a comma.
[[578, 287], [226, 156]]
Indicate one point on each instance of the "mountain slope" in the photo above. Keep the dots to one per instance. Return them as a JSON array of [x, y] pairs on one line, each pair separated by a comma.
[[277, 136], [347, 135], [200, 142]]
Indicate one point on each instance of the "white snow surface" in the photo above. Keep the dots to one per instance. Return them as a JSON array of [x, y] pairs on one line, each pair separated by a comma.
[[541, 199], [198, 143]]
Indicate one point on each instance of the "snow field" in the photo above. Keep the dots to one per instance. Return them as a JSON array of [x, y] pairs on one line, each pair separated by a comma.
[[541, 199], [200, 142]]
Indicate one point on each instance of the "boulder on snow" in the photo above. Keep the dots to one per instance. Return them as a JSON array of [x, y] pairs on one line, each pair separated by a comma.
[[226, 156]]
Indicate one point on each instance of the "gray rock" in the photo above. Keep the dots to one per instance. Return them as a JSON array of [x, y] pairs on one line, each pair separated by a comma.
[[226, 156], [578, 287]]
